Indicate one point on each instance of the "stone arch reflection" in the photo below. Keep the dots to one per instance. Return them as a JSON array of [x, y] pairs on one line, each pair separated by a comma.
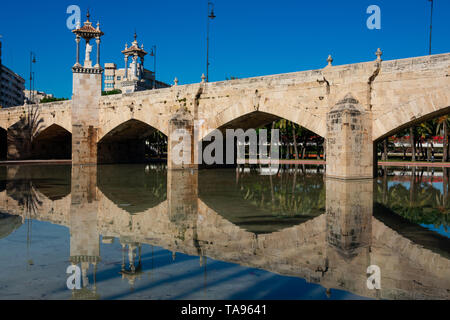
[[134, 188], [332, 249], [264, 204]]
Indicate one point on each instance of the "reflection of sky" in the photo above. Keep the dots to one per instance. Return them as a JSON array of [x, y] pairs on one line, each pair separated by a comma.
[[394, 183], [438, 186], [162, 277], [440, 229]]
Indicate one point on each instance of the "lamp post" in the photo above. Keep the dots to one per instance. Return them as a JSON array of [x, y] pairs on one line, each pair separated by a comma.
[[153, 54], [431, 24], [210, 16], [32, 60]]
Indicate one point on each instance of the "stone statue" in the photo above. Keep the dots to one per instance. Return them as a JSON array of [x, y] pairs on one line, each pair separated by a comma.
[[87, 59], [88, 52]]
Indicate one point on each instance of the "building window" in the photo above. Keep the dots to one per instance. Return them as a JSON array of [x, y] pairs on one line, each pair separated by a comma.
[[118, 78]]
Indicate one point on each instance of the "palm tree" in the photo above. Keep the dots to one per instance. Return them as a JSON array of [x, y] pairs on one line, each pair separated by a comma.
[[384, 157], [424, 131], [412, 139], [294, 134]]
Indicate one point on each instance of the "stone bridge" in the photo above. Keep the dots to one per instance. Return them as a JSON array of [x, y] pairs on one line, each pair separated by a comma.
[[334, 249], [352, 106]]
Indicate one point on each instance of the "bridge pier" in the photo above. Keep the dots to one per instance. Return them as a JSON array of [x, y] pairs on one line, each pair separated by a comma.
[[87, 88], [83, 223], [181, 143], [349, 146], [349, 209]]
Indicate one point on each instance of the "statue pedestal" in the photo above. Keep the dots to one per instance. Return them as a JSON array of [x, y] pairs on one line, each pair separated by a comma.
[[87, 63]]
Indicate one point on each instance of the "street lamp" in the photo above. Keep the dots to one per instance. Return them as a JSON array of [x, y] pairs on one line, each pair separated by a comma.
[[210, 16], [153, 54], [431, 24], [32, 60]]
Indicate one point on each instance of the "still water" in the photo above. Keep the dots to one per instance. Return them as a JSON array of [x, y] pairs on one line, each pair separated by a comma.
[[140, 232]]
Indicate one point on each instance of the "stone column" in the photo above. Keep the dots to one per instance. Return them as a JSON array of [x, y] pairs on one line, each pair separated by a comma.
[[77, 39], [181, 141], [349, 146], [97, 64], [87, 88], [126, 67], [135, 69]]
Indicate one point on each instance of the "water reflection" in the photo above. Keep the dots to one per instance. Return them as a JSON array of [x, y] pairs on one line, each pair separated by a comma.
[[419, 195], [294, 224]]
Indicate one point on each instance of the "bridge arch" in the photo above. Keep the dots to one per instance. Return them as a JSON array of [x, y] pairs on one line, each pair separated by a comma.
[[53, 142], [428, 106], [241, 113], [32, 129], [3, 143], [113, 121], [128, 142], [254, 119]]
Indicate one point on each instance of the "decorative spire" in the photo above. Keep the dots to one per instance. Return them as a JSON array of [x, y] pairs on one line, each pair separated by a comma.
[[203, 78], [88, 15], [175, 81], [379, 53], [135, 49], [329, 60], [98, 25]]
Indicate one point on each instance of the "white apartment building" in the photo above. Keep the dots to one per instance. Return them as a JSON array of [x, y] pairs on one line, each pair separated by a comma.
[[11, 86]]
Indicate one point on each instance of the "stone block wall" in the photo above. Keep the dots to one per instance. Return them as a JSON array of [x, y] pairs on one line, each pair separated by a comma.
[[87, 86], [349, 144]]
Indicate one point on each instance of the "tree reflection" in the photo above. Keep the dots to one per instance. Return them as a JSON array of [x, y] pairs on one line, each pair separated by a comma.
[[416, 200], [288, 193]]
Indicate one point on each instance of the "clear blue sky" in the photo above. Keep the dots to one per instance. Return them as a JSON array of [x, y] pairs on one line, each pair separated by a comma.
[[248, 37]]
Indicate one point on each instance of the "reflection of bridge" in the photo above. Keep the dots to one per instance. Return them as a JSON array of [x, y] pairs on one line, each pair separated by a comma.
[[352, 106], [333, 249]]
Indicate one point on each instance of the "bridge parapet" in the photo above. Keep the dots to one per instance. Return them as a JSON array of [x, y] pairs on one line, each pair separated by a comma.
[[58, 112]]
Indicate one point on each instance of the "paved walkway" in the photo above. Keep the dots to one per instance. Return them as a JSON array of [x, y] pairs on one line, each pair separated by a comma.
[[413, 164], [281, 161], [380, 163], [36, 162]]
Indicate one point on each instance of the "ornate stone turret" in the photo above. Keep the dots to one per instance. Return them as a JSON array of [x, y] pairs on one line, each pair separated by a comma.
[[87, 89], [87, 32], [135, 52]]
